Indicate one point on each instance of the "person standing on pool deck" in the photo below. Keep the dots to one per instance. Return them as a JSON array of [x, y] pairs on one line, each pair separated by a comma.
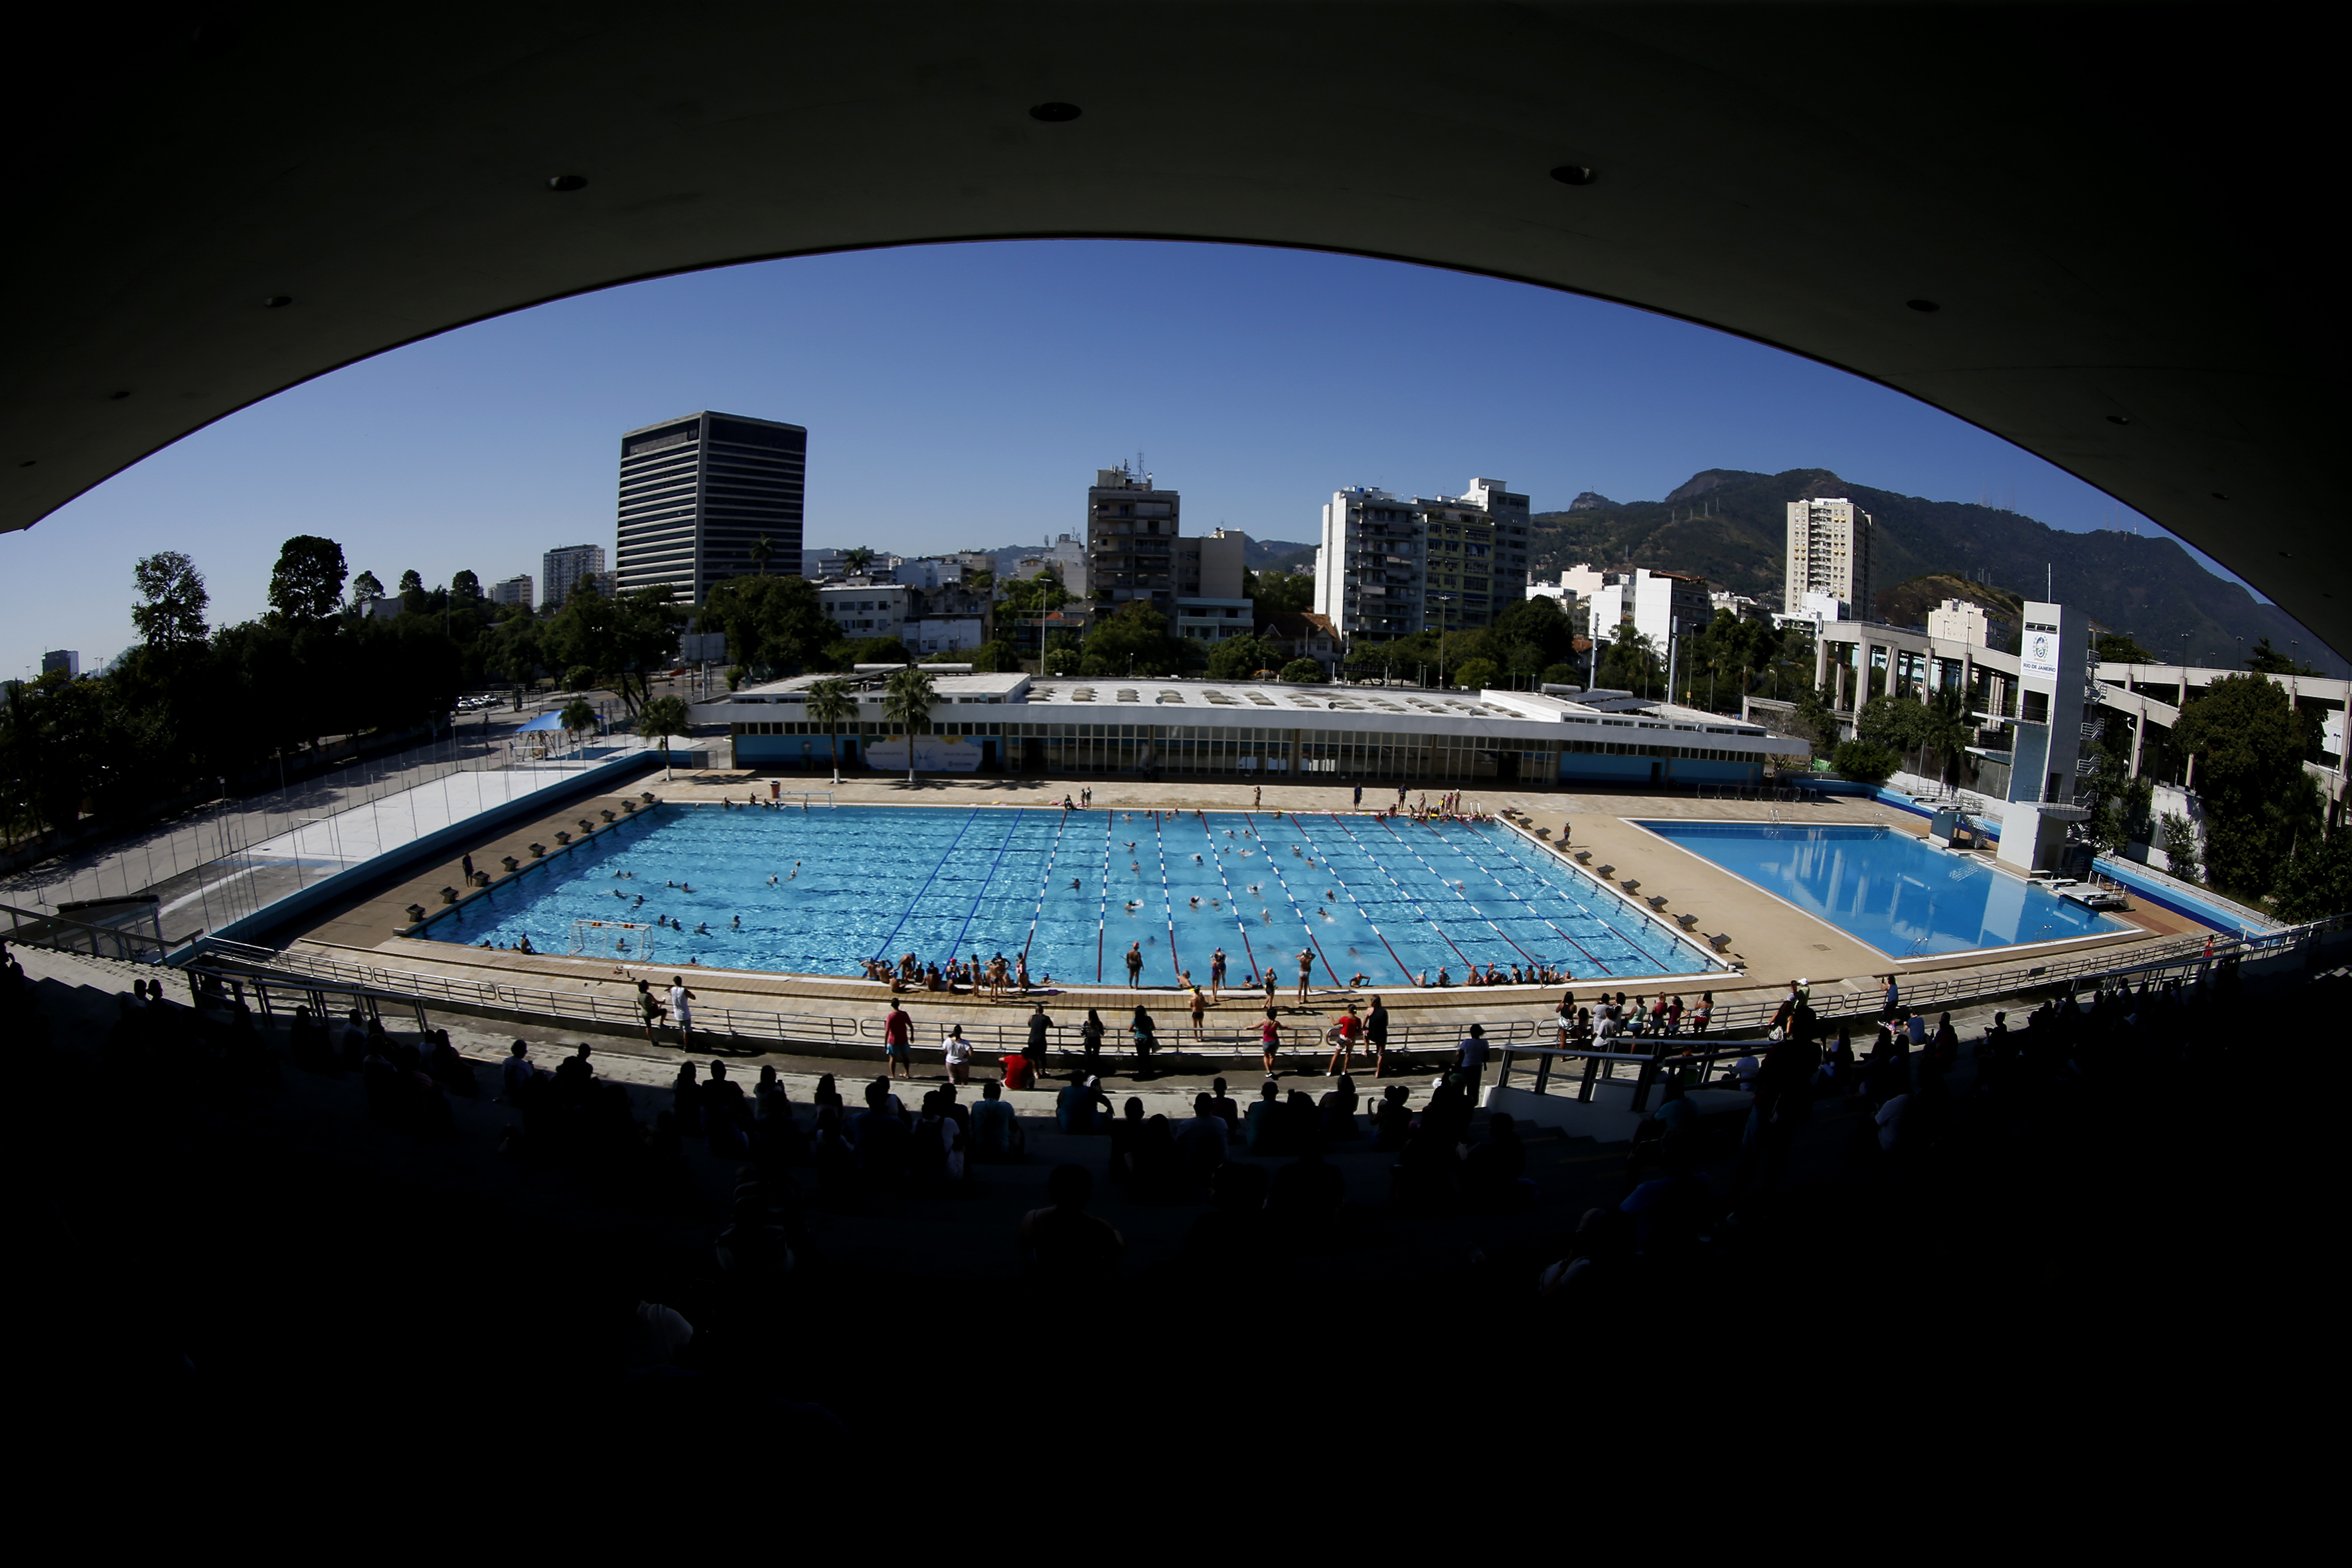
[[1306, 969], [1216, 973], [959, 1054], [898, 1038], [1376, 1036], [1200, 1005], [1269, 1039], [1360, 797], [649, 1009], [1470, 1063], [1257, 797], [1134, 964], [681, 1008], [1038, 1023]]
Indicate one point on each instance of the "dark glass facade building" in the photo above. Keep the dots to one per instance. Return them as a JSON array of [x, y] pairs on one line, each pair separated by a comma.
[[697, 492]]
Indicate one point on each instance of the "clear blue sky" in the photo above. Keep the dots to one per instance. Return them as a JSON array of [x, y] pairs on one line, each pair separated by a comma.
[[963, 396]]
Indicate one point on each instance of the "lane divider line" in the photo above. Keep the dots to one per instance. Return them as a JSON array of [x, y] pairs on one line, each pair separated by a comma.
[[912, 903]]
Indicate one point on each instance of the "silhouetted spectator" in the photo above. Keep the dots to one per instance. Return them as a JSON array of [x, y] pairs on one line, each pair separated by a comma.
[[1064, 1244]]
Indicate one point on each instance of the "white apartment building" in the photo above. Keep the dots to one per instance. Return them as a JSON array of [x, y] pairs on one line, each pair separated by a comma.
[[1956, 620], [817, 565], [941, 634], [565, 564], [515, 590], [1386, 568], [1829, 552], [864, 608], [1654, 603]]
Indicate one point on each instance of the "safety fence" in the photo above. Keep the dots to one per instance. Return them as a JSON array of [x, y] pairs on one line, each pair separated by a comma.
[[140, 943]]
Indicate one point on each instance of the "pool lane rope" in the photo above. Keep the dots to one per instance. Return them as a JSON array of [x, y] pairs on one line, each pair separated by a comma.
[[1166, 898], [1102, 910], [1052, 859], [1275, 861], [1642, 923], [1513, 893], [1466, 904], [1401, 967], [891, 941], [1406, 894], [1232, 903], [978, 899]]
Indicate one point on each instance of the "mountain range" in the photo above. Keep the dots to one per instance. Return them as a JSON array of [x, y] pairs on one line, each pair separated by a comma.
[[1731, 527]]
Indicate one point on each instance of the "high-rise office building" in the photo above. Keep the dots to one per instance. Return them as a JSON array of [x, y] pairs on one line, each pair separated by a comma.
[[1829, 553], [1131, 530], [515, 590], [699, 492], [566, 564], [1386, 568]]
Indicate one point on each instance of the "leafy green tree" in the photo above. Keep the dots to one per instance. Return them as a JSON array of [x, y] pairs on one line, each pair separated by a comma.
[[857, 560], [578, 715], [1632, 663], [1303, 672], [1063, 660], [465, 586], [2119, 803], [831, 704], [907, 703], [1477, 674], [998, 657], [412, 581], [979, 579], [846, 655], [171, 611], [2179, 846], [2120, 647], [2249, 743], [1135, 640], [1238, 658], [774, 626], [1560, 675], [1864, 762], [625, 637], [307, 584], [366, 588], [1278, 592], [761, 552], [663, 717], [2318, 881]]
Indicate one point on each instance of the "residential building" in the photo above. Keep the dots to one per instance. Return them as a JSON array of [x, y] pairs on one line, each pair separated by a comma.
[[1214, 620], [66, 659], [1060, 726], [1131, 530], [832, 564], [515, 590], [1386, 568], [696, 492], [943, 634], [1210, 565], [927, 571], [862, 609], [1653, 604], [566, 564], [1065, 553], [1830, 546], [1303, 633], [1958, 620], [1739, 604]]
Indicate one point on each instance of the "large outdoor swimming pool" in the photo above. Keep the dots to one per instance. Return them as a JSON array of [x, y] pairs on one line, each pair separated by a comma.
[[1882, 886], [1388, 899]]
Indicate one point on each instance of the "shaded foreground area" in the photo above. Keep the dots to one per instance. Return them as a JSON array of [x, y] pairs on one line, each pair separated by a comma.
[[254, 1231]]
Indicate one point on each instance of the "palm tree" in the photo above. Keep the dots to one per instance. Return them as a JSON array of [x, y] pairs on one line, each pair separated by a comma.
[[906, 703], [662, 717], [830, 705], [857, 560], [761, 551], [577, 715]]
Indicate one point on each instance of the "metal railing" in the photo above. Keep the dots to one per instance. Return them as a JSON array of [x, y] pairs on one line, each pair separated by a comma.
[[2184, 958], [1174, 1033], [35, 928], [1601, 1066]]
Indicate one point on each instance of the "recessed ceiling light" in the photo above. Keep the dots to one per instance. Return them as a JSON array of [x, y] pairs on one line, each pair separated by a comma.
[[1927, 306], [276, 301], [1054, 114], [1573, 174], [567, 183]]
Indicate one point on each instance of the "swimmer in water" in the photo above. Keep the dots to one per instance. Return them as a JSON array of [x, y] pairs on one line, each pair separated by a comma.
[[1196, 860], [772, 881], [640, 903], [1074, 884], [703, 929], [1133, 865], [738, 922], [1195, 903]]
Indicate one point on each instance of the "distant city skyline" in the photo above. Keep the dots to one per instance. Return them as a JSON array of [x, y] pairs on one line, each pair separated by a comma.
[[953, 393]]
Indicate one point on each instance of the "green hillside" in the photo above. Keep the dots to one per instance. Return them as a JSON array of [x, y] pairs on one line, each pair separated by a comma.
[[1731, 527]]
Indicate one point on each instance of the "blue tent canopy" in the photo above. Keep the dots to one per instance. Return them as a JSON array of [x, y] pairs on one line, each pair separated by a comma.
[[544, 721]]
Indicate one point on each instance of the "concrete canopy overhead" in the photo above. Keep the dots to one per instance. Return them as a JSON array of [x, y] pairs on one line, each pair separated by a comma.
[[2072, 226]]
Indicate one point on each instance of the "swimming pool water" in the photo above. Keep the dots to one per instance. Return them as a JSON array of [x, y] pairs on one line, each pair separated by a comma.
[[1388, 899], [1899, 893]]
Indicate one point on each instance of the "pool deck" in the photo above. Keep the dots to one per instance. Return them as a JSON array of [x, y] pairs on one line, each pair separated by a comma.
[[1774, 942]]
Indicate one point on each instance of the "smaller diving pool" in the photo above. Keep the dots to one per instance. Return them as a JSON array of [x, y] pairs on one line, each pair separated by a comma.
[[1888, 889]]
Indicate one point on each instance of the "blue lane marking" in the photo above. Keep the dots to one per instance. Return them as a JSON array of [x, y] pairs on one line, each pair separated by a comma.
[[978, 899], [916, 902]]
